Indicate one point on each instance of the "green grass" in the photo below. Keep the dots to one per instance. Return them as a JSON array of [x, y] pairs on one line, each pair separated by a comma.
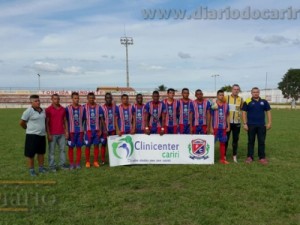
[[159, 194]]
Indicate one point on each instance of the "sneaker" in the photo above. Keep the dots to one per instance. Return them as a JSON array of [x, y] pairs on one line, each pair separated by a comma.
[[103, 162], [235, 159], [72, 167], [78, 166], [96, 164], [263, 161], [32, 172], [42, 170], [249, 160], [87, 164], [224, 162], [64, 167]]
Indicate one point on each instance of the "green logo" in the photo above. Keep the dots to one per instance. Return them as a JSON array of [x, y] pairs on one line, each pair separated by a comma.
[[124, 144]]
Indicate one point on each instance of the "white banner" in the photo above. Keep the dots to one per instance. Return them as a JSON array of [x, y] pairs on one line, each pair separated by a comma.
[[156, 149]]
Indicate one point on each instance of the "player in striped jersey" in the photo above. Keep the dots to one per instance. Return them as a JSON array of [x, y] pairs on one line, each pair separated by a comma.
[[74, 117], [107, 116], [138, 111], [92, 129], [220, 123], [185, 113], [155, 115], [172, 109], [201, 114], [123, 121]]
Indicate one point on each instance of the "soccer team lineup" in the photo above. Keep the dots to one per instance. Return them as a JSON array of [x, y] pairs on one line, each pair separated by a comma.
[[90, 124]]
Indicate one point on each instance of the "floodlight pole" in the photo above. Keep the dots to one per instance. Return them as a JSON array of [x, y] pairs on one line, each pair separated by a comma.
[[127, 41], [215, 76], [39, 78]]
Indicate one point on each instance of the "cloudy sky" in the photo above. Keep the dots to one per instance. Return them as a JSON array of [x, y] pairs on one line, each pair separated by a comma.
[[75, 43]]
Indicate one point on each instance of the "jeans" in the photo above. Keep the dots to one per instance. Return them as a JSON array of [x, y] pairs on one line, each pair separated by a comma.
[[235, 129], [260, 132], [61, 142]]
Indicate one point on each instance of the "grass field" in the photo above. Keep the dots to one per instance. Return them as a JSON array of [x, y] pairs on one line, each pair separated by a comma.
[[217, 194]]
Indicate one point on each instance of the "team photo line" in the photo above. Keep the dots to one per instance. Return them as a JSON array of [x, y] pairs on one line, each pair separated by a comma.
[[90, 124]]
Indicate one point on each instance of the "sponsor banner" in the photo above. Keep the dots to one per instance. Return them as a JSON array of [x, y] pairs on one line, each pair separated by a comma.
[[82, 92], [156, 149]]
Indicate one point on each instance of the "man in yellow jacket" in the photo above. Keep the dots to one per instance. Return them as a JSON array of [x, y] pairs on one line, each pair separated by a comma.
[[235, 104]]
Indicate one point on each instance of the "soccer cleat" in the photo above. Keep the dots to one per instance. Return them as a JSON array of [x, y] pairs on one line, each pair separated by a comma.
[[235, 159], [87, 164], [72, 167], [103, 162], [96, 164], [249, 160], [78, 166], [224, 162], [42, 170], [263, 161], [32, 172]]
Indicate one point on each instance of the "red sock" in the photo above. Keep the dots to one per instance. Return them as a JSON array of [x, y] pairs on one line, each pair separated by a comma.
[[87, 154], [78, 155], [96, 153], [71, 155], [103, 149], [222, 151]]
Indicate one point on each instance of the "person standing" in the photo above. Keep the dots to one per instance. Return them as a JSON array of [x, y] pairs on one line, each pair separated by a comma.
[[172, 109], [57, 132], [155, 115], [185, 112], [33, 120], [235, 103], [107, 117], [74, 116], [124, 117], [92, 127], [201, 114], [220, 123], [138, 112], [254, 110]]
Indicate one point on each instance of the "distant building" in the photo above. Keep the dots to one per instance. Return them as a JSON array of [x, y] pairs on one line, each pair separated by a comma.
[[117, 90]]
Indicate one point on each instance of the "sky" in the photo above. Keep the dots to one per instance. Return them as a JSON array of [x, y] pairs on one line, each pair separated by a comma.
[[76, 44]]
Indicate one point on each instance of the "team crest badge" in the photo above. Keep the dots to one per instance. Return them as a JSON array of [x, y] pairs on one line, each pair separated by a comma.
[[199, 149]]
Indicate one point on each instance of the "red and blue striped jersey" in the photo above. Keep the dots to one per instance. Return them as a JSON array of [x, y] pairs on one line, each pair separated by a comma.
[[199, 110], [219, 116], [139, 116], [172, 110], [91, 117], [108, 113], [74, 118], [155, 112], [184, 111], [124, 117]]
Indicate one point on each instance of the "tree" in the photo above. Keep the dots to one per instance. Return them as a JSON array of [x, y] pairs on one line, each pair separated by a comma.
[[290, 84], [226, 88], [161, 88]]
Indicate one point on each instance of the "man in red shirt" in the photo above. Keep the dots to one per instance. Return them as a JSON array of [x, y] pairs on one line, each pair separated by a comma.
[[56, 131]]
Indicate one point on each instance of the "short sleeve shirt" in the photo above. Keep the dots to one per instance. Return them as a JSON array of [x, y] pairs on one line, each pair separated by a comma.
[[256, 111], [35, 121]]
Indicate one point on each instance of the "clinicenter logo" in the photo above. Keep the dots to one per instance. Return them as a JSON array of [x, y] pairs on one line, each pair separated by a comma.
[[123, 145]]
